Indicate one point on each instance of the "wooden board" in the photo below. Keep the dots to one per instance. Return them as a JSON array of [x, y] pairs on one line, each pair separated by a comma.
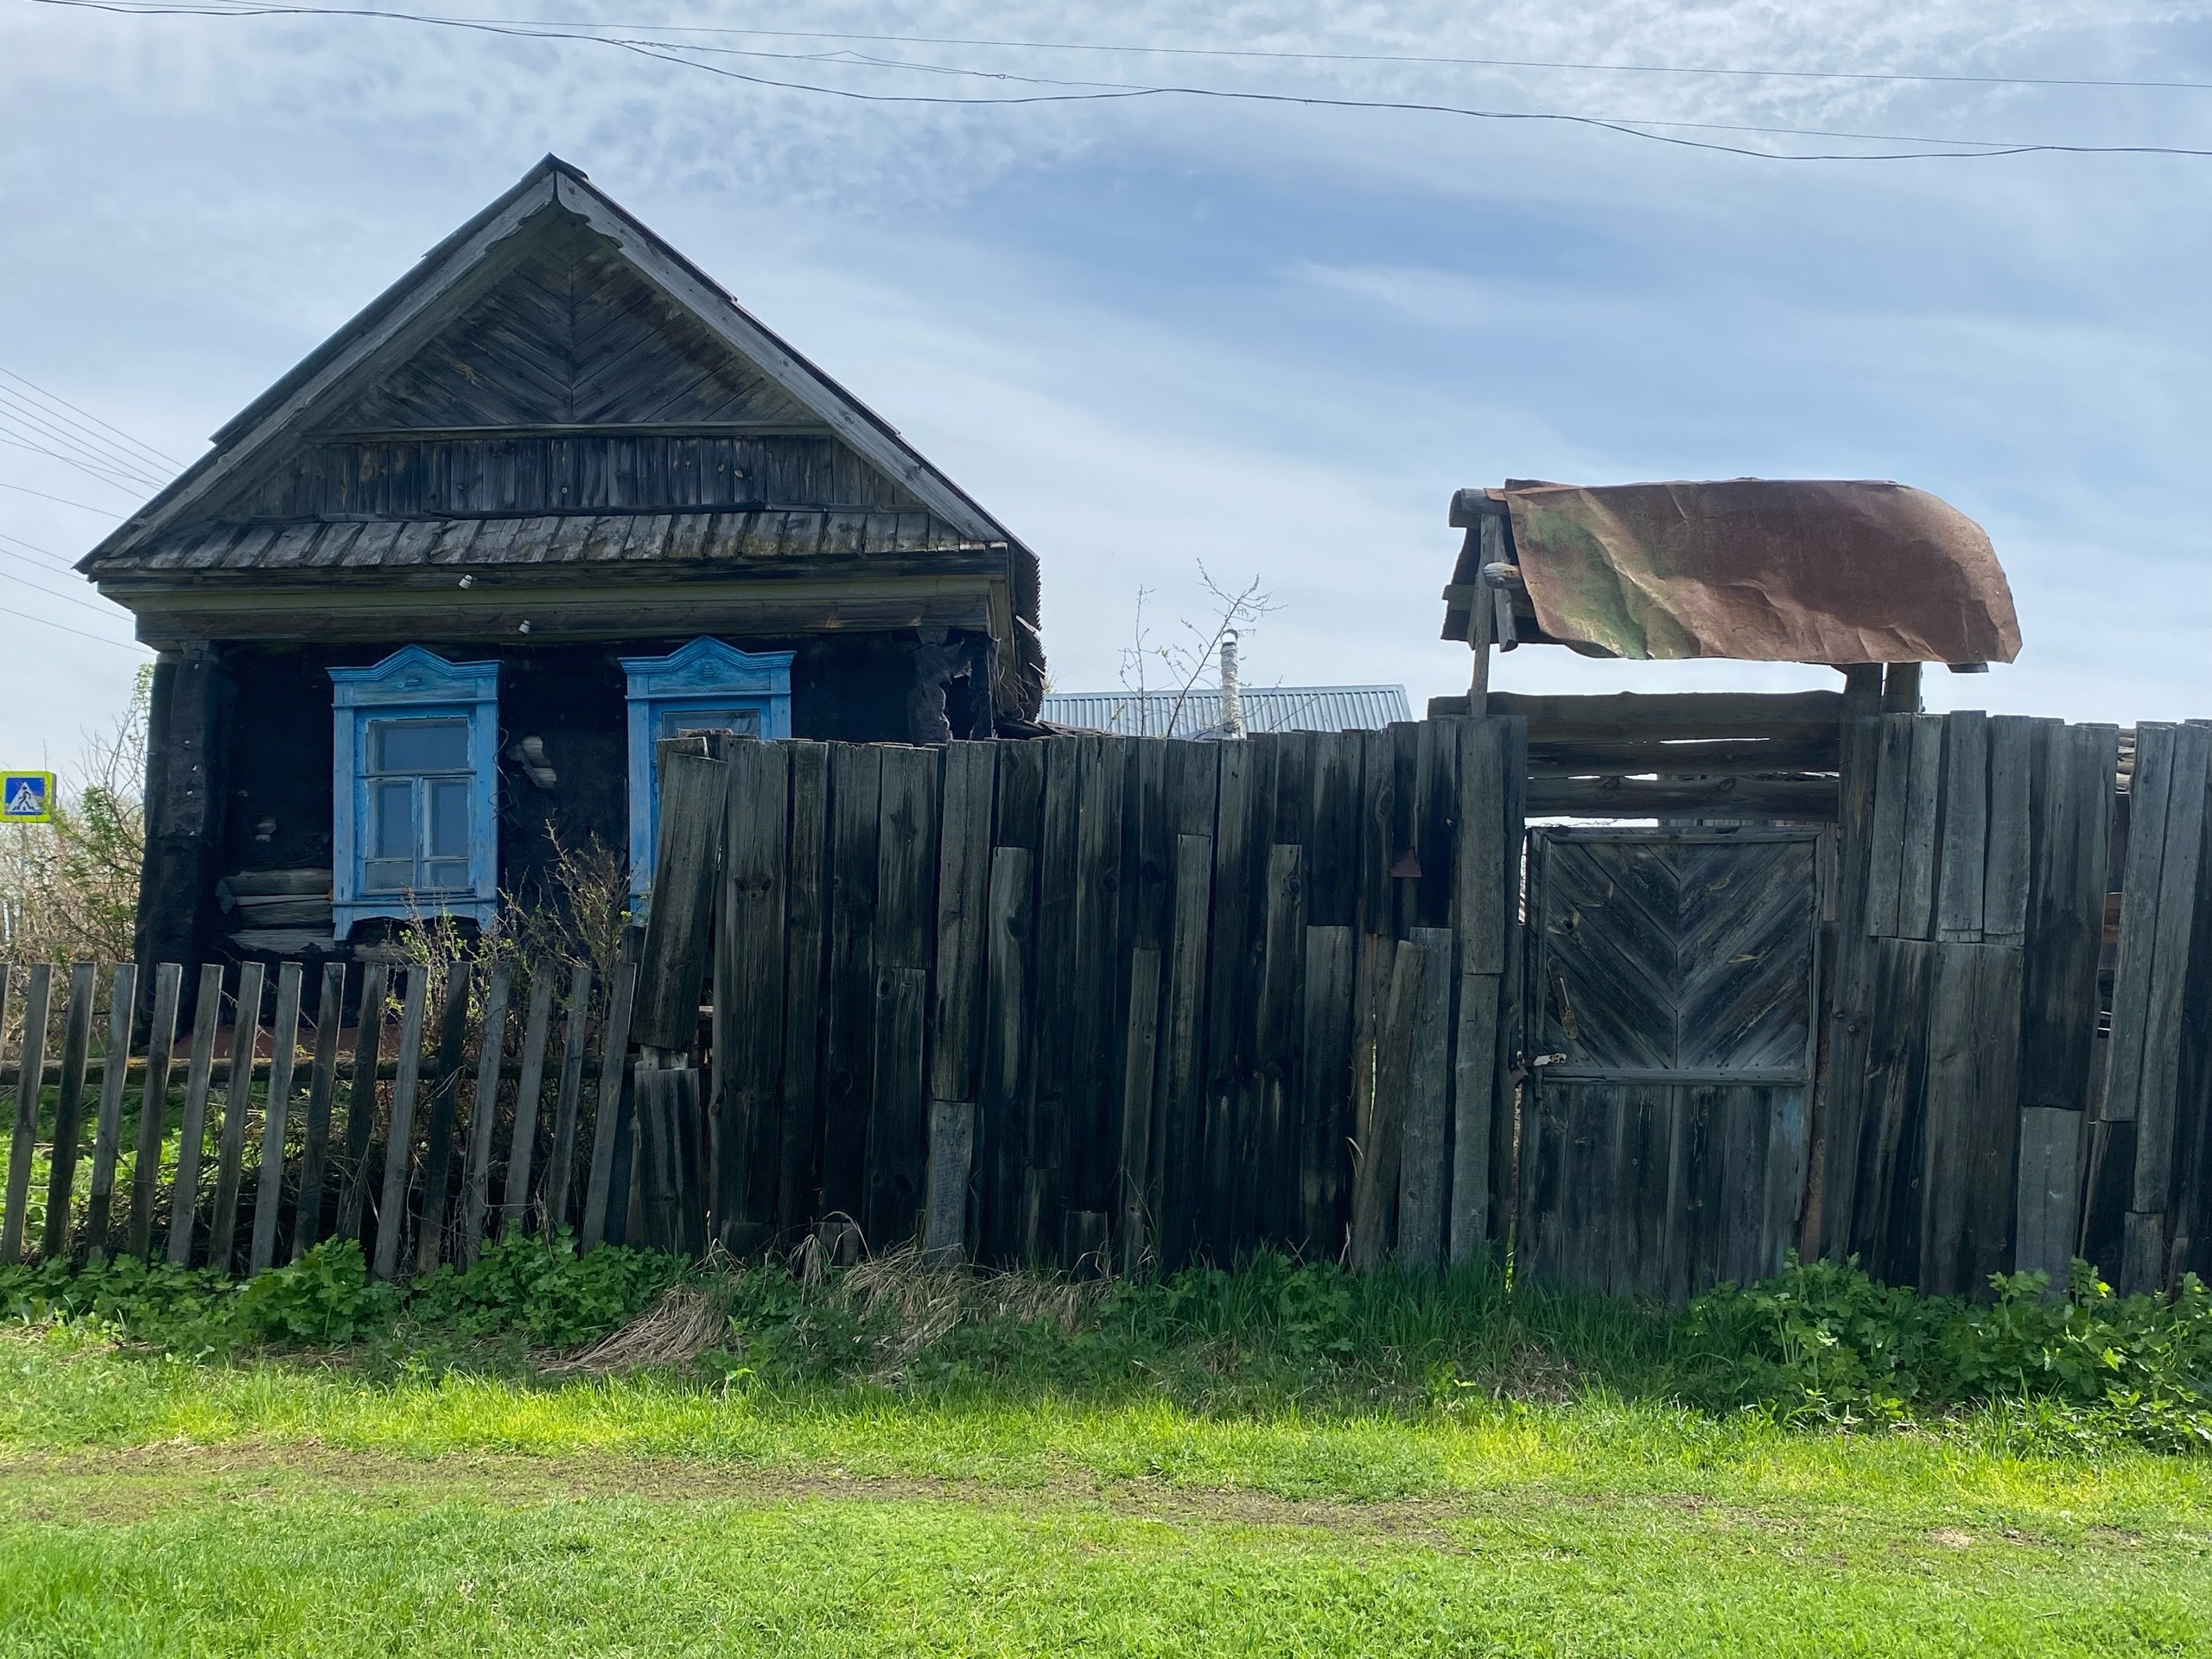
[[849, 1012], [30, 1073], [749, 980], [100, 1203], [153, 1107], [276, 1117], [184, 1190], [806, 920], [1422, 1214], [322, 1090], [68, 1111]]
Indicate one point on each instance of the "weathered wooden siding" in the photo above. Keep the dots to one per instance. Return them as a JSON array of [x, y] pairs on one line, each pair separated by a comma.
[[585, 472], [1102, 994]]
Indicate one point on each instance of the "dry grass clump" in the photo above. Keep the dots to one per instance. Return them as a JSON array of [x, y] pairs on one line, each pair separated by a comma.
[[898, 1303], [913, 1302], [687, 1321]]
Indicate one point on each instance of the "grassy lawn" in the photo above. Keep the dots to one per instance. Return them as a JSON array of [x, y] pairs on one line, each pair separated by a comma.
[[150, 1505]]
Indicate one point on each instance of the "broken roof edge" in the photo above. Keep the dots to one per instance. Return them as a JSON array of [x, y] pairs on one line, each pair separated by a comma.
[[1815, 571]]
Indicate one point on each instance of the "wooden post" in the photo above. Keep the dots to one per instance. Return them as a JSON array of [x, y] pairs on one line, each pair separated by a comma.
[[1487, 538], [1901, 688], [1139, 1066]]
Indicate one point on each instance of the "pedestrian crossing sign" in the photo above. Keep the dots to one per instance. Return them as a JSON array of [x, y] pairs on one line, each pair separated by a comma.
[[27, 797]]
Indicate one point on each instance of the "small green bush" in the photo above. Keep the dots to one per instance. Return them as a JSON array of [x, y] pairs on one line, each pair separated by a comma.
[[534, 1293], [1823, 1342]]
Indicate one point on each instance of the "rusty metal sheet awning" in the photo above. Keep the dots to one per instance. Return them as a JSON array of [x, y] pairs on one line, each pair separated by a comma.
[[1757, 569]]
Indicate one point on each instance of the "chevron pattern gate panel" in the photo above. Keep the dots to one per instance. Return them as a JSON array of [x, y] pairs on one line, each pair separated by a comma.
[[1671, 1036]]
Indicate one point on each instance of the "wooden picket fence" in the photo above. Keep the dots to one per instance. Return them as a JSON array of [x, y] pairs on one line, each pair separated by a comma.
[[320, 1129]]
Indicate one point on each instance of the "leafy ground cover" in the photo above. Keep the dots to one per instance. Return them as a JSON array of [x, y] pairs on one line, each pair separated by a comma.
[[1281, 1459]]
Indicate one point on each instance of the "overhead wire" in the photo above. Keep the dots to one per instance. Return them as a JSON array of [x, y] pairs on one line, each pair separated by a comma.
[[1286, 54], [673, 53], [147, 449], [25, 489], [97, 639]]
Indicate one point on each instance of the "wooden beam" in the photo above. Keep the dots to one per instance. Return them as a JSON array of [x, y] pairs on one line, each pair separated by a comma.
[[1807, 800], [1707, 715], [1628, 757]]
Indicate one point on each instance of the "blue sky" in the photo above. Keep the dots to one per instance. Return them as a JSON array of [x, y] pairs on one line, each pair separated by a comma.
[[1275, 338]]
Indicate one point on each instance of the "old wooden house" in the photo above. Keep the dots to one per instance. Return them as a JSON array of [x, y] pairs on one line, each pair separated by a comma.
[[428, 601]]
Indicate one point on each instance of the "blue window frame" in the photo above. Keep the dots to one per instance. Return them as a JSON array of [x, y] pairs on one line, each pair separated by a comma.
[[704, 686], [414, 790]]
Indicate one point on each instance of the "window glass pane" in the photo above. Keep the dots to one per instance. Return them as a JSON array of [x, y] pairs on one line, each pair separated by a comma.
[[744, 720], [391, 808], [448, 836], [421, 745], [444, 875], [387, 875]]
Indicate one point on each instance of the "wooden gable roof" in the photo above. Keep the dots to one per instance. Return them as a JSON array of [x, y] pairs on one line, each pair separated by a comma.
[[555, 387]]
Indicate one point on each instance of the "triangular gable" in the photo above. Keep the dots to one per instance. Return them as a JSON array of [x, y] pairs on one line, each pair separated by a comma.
[[616, 327], [572, 335]]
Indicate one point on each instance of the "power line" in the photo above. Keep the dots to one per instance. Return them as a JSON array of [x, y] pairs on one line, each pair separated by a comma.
[[100, 640], [169, 461], [1286, 55], [96, 474], [106, 512], [1628, 126], [29, 419], [39, 437], [56, 560], [66, 599]]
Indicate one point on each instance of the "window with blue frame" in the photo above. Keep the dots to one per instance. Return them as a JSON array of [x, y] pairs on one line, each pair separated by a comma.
[[415, 789], [705, 686]]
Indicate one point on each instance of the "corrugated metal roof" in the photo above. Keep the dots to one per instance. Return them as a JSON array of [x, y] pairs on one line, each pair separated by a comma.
[[1266, 708]]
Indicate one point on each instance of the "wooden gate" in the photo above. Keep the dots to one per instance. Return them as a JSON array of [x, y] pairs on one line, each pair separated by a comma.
[[1670, 1017]]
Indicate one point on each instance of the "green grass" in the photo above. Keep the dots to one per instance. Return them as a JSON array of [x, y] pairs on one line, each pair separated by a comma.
[[149, 1504]]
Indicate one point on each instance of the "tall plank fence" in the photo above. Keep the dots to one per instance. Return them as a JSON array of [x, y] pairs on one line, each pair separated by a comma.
[[1093, 999], [1098, 1001]]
